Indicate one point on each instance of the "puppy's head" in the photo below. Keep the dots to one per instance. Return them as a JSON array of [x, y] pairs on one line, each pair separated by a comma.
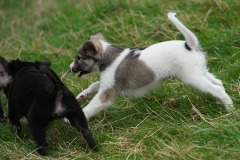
[[88, 55], [15, 65], [5, 74]]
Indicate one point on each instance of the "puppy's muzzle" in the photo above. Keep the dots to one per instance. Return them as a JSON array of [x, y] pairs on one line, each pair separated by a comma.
[[72, 69], [75, 70]]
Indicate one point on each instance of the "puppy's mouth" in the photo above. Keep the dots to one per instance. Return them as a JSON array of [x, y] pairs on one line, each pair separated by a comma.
[[82, 73]]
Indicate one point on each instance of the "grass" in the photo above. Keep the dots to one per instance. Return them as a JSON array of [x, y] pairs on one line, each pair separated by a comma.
[[172, 122]]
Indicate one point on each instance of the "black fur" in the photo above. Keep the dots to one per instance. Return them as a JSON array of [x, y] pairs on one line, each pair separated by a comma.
[[35, 95], [187, 47], [2, 115], [139, 49]]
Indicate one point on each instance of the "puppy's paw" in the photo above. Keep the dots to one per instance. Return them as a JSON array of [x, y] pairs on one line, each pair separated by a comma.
[[24, 120], [42, 150], [83, 96], [15, 129], [3, 118], [218, 82], [230, 108], [65, 120]]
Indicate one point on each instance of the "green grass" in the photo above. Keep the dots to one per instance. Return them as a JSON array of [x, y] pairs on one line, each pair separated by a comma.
[[172, 122]]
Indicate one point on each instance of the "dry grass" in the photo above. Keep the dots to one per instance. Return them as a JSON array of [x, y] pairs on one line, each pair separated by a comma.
[[173, 121]]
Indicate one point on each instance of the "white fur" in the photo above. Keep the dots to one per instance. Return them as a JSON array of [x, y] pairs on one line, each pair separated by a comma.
[[59, 109], [165, 59], [5, 79], [104, 45], [71, 66], [107, 76], [191, 39], [93, 88]]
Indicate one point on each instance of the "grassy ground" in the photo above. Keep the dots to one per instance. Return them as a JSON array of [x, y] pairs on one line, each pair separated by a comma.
[[173, 121]]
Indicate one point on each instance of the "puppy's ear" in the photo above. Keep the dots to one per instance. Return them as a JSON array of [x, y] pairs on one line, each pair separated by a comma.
[[89, 48], [14, 66], [97, 36], [46, 63], [3, 60], [42, 64]]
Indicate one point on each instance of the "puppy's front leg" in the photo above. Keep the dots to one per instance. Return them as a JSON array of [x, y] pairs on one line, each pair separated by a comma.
[[2, 115], [93, 88], [100, 101], [14, 119]]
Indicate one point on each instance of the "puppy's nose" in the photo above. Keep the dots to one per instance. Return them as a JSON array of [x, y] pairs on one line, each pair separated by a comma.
[[73, 70], [71, 67]]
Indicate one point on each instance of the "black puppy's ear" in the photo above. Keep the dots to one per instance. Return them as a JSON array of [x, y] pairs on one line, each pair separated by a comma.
[[89, 48], [46, 63], [14, 65], [3, 60], [42, 64]]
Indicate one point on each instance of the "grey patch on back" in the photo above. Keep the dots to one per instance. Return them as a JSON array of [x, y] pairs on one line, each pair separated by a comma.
[[107, 95], [132, 73], [111, 53]]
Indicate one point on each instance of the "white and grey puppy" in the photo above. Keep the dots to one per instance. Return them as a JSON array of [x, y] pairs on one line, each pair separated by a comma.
[[133, 72]]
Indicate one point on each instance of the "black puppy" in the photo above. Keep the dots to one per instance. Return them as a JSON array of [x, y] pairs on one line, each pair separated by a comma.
[[38, 94], [5, 80], [2, 115]]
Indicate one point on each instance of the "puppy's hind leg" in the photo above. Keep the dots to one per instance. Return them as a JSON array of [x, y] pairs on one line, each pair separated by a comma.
[[2, 115], [213, 79], [39, 136], [205, 85], [78, 120], [38, 123], [14, 119], [93, 88]]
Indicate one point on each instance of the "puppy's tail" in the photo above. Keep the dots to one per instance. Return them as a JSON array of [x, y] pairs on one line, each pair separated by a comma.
[[191, 39]]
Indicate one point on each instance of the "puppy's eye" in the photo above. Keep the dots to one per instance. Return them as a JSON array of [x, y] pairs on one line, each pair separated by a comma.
[[78, 57], [1, 73]]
